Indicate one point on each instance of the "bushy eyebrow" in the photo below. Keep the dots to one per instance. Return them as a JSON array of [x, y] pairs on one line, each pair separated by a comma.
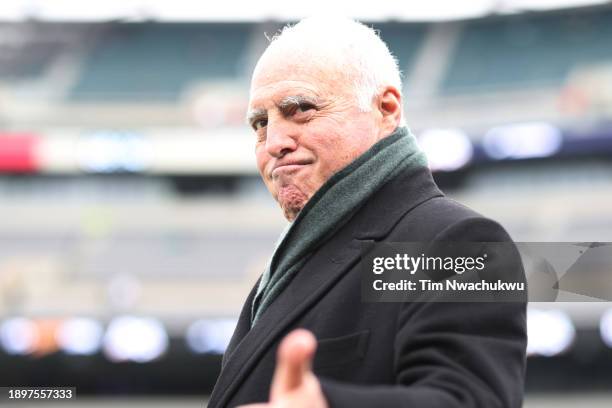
[[295, 100], [283, 105], [255, 114]]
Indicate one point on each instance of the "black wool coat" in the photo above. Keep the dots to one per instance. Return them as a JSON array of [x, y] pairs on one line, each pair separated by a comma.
[[411, 354]]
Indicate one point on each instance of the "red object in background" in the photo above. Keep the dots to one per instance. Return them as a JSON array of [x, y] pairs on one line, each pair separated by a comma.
[[17, 153]]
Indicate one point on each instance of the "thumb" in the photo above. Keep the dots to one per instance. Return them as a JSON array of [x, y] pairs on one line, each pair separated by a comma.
[[293, 362]]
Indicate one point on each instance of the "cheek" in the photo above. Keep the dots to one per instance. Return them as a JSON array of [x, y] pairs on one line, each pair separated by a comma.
[[261, 160], [336, 151], [358, 137]]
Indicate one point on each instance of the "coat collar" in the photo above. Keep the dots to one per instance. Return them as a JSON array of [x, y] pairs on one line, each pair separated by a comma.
[[382, 212], [329, 263]]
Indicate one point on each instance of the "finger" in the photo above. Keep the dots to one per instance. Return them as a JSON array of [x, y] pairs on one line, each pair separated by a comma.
[[293, 361], [308, 395]]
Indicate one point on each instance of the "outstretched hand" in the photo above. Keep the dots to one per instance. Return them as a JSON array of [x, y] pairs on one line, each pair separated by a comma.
[[294, 384]]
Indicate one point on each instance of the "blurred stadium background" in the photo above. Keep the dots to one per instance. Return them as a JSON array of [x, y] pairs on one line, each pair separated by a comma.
[[133, 222]]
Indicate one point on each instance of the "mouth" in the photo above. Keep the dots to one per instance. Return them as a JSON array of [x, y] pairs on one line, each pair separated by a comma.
[[287, 168]]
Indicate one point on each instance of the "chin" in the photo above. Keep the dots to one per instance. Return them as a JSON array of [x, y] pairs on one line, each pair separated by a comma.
[[291, 200]]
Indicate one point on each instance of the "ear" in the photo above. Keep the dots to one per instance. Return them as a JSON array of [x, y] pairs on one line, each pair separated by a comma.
[[390, 108]]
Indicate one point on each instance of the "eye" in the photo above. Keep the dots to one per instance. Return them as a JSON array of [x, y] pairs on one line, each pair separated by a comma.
[[298, 108], [302, 107], [305, 106], [258, 124]]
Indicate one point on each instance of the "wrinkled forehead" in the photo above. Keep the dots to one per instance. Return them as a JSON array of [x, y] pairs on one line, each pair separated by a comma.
[[277, 70]]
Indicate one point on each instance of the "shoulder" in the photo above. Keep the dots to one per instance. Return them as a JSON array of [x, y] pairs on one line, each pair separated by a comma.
[[411, 208], [441, 218]]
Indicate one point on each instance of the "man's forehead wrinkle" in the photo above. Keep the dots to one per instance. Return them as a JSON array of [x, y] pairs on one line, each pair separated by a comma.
[[287, 83], [294, 68]]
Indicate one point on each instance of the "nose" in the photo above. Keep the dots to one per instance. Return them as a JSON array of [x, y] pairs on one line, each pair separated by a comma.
[[281, 137]]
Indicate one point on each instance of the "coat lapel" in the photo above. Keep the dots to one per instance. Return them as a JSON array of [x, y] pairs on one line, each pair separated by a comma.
[[318, 275], [242, 327]]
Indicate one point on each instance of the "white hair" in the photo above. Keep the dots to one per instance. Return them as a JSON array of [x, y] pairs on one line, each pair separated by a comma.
[[352, 47]]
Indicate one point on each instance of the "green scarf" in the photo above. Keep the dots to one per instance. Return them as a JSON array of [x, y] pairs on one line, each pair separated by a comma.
[[330, 207]]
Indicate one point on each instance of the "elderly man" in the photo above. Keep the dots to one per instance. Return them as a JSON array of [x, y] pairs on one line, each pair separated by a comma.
[[326, 109]]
